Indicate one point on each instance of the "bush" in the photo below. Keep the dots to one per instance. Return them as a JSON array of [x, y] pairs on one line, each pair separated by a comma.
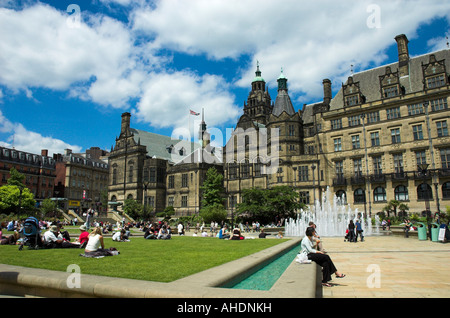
[[216, 213]]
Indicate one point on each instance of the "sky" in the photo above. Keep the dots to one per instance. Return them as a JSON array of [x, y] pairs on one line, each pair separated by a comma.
[[70, 68]]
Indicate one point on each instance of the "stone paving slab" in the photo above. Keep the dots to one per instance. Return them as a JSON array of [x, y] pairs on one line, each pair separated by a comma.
[[403, 267]]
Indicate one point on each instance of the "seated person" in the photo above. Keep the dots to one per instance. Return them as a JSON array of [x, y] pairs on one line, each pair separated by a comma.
[[96, 247], [150, 233], [84, 236], [223, 233], [237, 235], [53, 239], [163, 233], [263, 234], [280, 235], [120, 236]]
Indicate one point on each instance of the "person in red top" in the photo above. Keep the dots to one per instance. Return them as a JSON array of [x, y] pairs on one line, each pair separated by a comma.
[[84, 236]]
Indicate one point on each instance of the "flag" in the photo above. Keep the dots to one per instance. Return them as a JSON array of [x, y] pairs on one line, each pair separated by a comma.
[[193, 113]]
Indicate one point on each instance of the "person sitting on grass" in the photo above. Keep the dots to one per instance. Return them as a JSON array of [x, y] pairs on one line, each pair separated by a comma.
[[237, 235], [53, 239], [223, 233], [84, 237], [164, 233], [96, 247], [120, 236], [11, 239]]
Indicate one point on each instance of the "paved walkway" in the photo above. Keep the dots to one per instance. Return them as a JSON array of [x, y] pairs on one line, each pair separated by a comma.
[[389, 267]]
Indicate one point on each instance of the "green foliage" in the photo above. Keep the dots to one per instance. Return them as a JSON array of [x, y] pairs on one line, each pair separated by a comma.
[[133, 208], [212, 188], [11, 198], [264, 205], [167, 213], [48, 207], [216, 213], [16, 178]]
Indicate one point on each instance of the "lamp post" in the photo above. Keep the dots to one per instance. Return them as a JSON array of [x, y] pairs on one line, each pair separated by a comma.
[[145, 183], [367, 181], [313, 167], [423, 170], [433, 164]]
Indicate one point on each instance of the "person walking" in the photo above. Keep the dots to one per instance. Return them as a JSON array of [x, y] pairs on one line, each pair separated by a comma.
[[359, 231], [351, 231]]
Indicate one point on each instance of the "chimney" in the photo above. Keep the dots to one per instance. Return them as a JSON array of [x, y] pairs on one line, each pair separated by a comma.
[[125, 123], [327, 94], [44, 153], [67, 152], [403, 54]]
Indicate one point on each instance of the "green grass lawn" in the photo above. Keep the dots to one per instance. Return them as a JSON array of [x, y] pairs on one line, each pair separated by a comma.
[[152, 260]]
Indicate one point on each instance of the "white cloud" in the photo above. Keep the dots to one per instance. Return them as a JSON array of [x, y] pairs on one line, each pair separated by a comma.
[[41, 47], [29, 141], [312, 40], [168, 97]]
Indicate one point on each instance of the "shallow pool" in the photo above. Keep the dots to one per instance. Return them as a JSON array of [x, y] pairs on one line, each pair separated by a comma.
[[264, 278]]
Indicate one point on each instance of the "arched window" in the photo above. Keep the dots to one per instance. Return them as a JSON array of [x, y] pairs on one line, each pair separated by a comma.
[[359, 196], [114, 176], [401, 193], [341, 196], [130, 197], [424, 192], [379, 194], [446, 190]]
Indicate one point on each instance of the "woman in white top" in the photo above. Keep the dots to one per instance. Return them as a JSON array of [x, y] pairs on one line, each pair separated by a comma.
[[320, 258], [95, 241], [95, 246]]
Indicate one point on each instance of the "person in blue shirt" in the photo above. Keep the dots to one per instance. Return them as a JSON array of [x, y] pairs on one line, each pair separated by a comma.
[[223, 233], [359, 231]]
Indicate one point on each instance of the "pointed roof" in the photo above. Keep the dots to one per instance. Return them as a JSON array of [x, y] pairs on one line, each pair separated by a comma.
[[283, 101], [258, 77]]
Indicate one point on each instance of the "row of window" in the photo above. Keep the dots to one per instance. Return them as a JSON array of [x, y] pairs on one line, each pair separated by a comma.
[[398, 163], [391, 113], [395, 90], [396, 137], [184, 201], [424, 192]]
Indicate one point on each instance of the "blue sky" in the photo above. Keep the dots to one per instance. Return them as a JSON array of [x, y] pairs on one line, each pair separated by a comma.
[[70, 68]]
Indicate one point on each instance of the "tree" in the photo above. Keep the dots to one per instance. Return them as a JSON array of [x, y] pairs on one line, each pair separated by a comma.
[[212, 188], [393, 204], [48, 207], [265, 205], [16, 178], [167, 213], [12, 198], [133, 208], [216, 213], [402, 207]]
